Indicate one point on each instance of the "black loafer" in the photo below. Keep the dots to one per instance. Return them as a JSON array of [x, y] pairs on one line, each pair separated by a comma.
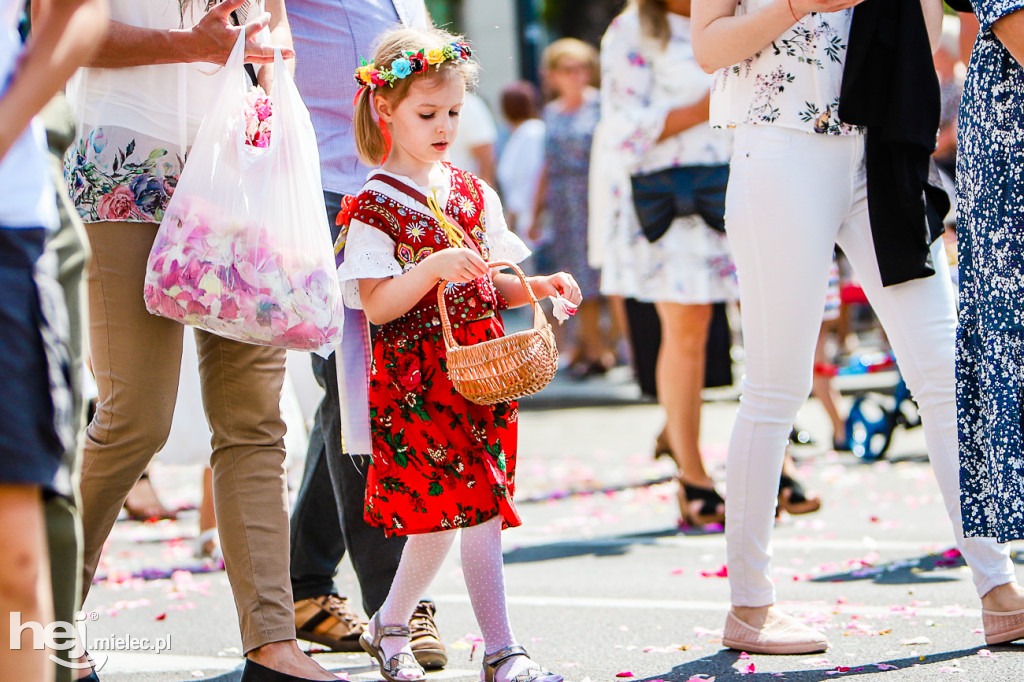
[[254, 672]]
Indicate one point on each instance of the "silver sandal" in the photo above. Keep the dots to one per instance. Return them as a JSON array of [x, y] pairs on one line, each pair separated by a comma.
[[533, 673], [390, 668]]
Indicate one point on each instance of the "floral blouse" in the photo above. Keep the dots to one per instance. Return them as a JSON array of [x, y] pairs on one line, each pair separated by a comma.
[[121, 175], [642, 82], [794, 82]]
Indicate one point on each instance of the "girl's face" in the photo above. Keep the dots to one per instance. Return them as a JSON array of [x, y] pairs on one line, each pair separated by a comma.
[[424, 124]]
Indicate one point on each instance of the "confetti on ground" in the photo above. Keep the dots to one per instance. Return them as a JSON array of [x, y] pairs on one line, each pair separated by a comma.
[[915, 641], [624, 673], [722, 572]]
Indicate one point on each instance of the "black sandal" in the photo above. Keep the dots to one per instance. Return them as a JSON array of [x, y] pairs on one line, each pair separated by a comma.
[[712, 505], [793, 498]]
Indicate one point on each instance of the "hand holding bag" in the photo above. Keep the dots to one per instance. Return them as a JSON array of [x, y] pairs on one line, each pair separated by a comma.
[[662, 196], [244, 249]]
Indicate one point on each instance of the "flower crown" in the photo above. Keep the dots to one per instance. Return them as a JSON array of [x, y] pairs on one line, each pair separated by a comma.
[[370, 76]]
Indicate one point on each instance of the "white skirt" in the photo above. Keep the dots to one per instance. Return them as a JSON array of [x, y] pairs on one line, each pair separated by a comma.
[[690, 264]]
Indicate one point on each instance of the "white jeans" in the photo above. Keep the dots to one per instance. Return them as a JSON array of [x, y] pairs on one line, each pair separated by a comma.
[[793, 196]]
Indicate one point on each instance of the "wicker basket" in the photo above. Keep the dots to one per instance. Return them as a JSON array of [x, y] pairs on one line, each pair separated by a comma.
[[506, 368]]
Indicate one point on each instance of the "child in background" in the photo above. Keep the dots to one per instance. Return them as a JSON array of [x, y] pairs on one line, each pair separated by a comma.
[[440, 462]]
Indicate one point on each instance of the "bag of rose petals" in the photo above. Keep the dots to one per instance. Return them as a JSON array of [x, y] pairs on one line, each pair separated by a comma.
[[244, 249]]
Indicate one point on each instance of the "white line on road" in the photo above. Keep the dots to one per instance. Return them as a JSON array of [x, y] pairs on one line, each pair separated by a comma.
[[694, 605], [718, 542]]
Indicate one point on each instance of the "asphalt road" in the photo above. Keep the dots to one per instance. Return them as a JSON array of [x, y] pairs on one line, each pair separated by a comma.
[[603, 586]]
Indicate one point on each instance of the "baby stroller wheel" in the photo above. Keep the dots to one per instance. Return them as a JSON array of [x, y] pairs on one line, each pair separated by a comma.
[[869, 427]]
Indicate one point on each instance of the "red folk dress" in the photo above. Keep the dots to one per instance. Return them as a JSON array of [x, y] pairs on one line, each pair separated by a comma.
[[439, 461]]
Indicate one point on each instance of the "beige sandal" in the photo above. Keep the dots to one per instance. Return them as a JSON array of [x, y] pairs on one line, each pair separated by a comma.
[[391, 667], [533, 673]]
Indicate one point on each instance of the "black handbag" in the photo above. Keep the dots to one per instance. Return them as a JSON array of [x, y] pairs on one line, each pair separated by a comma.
[[662, 196]]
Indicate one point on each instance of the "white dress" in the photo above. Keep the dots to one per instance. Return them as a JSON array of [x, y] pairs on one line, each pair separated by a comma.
[[641, 83]]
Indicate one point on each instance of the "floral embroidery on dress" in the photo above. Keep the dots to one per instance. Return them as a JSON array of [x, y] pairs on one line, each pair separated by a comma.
[[112, 177]]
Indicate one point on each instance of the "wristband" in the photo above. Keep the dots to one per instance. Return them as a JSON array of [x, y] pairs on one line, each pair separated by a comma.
[[791, 11]]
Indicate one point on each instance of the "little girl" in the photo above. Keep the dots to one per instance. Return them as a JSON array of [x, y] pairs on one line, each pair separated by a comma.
[[440, 462]]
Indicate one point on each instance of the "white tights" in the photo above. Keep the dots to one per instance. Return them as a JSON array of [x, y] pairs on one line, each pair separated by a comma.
[[483, 569], [792, 196]]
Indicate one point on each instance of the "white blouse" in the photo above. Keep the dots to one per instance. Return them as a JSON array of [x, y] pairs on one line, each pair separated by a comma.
[[370, 253], [26, 190], [794, 82], [641, 83]]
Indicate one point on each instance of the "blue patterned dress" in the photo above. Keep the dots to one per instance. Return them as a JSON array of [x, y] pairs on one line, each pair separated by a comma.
[[568, 136], [990, 337]]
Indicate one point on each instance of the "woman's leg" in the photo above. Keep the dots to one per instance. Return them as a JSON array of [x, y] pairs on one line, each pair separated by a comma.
[[919, 318], [24, 582], [684, 334], [241, 385], [788, 194], [136, 359]]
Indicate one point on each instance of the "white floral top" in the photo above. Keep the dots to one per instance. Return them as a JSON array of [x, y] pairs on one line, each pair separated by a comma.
[[794, 82], [641, 84]]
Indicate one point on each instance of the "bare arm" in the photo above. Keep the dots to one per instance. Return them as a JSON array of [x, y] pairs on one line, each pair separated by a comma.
[[720, 38], [280, 36], [681, 119], [1010, 31], [558, 284], [64, 33], [933, 20], [387, 299], [210, 41]]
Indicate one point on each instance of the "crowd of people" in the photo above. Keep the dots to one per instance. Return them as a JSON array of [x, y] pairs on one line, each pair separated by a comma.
[[709, 154]]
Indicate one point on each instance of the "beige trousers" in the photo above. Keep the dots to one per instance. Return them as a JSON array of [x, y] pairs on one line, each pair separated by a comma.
[[136, 358]]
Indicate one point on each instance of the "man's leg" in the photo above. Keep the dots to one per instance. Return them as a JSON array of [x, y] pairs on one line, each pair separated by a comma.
[[317, 547]]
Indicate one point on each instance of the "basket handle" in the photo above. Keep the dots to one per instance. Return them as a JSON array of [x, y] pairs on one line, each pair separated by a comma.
[[539, 319]]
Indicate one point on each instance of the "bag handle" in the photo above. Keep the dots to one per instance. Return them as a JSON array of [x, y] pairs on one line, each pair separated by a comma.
[[539, 319]]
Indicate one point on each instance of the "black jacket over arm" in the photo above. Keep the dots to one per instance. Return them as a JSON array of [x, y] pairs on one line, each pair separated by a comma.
[[890, 86]]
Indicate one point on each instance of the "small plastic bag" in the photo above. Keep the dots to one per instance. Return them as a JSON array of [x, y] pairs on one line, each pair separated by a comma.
[[244, 249]]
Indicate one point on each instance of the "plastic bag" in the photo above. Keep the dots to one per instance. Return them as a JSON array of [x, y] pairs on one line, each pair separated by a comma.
[[244, 249]]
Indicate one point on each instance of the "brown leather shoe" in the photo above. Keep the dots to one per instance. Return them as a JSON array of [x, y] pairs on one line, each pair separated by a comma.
[[425, 640], [330, 621]]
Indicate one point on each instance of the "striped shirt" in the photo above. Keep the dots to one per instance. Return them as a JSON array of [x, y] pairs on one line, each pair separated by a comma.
[[330, 38]]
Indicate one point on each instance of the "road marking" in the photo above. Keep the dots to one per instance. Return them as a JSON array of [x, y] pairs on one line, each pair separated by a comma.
[[723, 606], [121, 663], [717, 541]]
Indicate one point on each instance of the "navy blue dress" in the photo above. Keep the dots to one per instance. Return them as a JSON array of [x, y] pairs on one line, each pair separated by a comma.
[[990, 336]]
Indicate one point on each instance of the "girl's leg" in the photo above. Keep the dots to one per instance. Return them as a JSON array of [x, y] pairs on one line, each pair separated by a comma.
[[824, 388], [484, 570], [788, 194], [919, 317], [421, 560], [24, 582]]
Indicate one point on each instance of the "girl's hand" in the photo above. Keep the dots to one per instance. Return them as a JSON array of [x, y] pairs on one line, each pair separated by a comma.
[[804, 7], [562, 284], [457, 265]]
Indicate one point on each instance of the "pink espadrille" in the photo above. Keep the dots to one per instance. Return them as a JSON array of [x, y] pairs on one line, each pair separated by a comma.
[[780, 634], [1002, 626]]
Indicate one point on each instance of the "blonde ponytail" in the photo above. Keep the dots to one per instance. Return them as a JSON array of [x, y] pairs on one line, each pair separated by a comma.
[[370, 143]]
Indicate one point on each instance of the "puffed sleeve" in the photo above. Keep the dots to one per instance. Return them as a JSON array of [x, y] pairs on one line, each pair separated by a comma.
[[369, 254], [991, 11], [502, 243], [627, 80]]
